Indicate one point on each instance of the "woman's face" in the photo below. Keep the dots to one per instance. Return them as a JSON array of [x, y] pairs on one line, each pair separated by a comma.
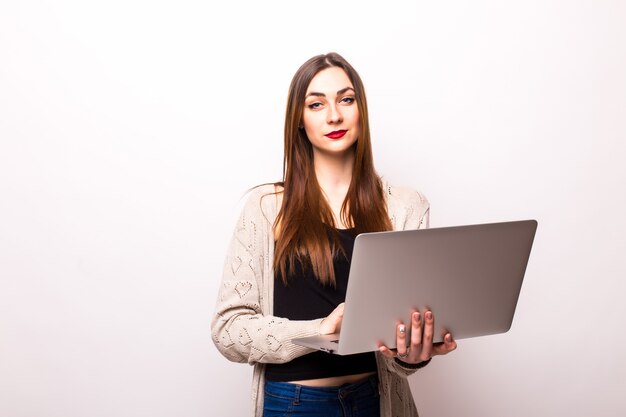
[[331, 115]]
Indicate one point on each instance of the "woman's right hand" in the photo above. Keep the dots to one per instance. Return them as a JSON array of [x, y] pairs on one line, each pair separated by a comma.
[[332, 323]]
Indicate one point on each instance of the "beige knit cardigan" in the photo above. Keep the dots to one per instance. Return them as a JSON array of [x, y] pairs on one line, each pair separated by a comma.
[[243, 327]]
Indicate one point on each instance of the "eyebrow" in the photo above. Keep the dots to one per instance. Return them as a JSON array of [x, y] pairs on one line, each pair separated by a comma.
[[340, 92]]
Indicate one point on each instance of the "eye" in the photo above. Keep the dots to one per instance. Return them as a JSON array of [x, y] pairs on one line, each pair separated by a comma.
[[348, 100], [315, 106]]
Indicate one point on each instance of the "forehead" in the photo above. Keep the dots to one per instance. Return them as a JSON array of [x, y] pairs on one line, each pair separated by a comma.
[[329, 81]]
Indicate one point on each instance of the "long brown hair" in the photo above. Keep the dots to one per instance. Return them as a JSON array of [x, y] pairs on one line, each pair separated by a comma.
[[304, 217]]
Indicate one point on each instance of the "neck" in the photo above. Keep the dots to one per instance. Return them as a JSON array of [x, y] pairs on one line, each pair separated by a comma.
[[334, 173]]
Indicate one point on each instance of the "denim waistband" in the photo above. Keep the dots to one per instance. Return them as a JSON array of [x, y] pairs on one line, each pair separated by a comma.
[[367, 387]]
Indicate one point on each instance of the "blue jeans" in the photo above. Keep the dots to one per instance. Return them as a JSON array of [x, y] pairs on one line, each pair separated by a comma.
[[350, 400]]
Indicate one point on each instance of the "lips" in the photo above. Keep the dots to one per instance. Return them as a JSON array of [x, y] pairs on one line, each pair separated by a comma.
[[336, 134]]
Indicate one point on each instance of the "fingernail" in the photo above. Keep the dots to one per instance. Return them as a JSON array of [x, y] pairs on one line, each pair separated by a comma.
[[401, 328], [429, 315], [416, 316]]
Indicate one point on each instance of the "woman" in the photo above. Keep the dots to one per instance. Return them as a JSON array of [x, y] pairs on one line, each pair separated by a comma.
[[287, 267]]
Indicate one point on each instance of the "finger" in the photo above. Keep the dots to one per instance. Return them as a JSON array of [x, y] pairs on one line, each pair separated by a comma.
[[386, 351], [449, 343], [427, 339], [332, 323], [416, 335], [401, 339], [339, 316], [338, 311], [445, 347]]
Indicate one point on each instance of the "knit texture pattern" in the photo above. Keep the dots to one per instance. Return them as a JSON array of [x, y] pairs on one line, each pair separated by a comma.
[[243, 327]]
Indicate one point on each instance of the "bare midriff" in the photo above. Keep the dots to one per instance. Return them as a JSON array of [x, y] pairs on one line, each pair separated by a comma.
[[334, 381]]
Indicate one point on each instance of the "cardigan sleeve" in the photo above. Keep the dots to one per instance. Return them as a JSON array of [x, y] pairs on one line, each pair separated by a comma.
[[241, 330]]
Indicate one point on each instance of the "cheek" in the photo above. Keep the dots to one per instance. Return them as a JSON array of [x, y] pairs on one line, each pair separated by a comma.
[[310, 123], [355, 119], [354, 115]]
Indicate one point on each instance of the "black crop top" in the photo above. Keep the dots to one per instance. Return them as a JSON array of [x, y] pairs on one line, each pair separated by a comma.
[[305, 298]]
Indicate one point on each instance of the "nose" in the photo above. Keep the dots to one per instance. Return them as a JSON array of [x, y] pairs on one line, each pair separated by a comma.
[[334, 114]]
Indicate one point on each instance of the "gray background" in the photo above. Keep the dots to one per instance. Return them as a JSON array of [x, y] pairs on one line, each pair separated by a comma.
[[129, 131]]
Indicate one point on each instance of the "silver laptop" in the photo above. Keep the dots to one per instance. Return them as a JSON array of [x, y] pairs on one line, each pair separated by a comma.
[[469, 276]]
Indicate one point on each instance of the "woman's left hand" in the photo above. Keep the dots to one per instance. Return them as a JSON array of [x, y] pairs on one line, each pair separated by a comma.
[[421, 347]]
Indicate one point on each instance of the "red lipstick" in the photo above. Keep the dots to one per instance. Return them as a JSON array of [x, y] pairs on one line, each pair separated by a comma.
[[336, 134]]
